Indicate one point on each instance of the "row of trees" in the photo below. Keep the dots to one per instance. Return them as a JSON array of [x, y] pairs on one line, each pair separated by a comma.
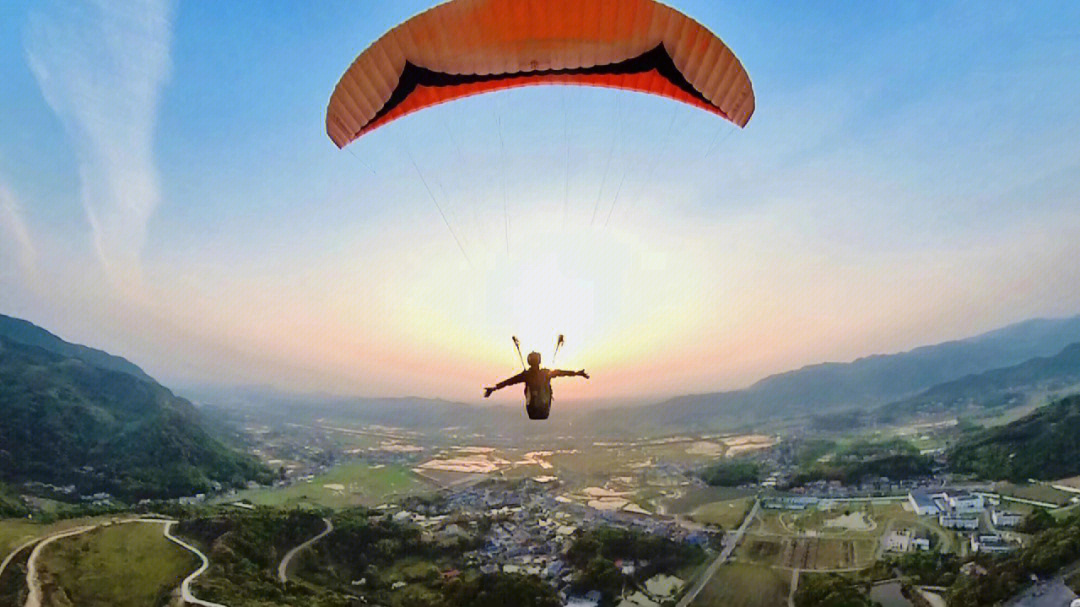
[[594, 552], [733, 473], [830, 590]]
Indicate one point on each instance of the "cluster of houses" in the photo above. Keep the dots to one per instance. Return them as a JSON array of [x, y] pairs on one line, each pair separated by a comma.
[[530, 532]]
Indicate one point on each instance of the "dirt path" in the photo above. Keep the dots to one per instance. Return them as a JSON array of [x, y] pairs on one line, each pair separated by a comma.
[[33, 578], [10, 557], [283, 568], [185, 586]]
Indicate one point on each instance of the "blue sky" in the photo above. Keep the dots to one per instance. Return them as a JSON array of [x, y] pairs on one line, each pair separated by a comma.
[[911, 174]]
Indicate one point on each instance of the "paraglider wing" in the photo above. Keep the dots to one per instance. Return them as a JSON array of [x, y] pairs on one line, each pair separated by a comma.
[[468, 47]]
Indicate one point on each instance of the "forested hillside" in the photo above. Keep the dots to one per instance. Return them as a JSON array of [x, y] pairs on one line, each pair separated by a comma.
[[64, 421], [1044, 445], [28, 333]]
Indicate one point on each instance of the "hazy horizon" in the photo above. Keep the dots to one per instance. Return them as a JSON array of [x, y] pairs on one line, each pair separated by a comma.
[[910, 176]]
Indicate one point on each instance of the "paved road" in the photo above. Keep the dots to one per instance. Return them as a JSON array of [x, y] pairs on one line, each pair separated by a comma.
[[730, 542], [185, 587], [935, 599], [283, 568], [33, 583], [793, 587]]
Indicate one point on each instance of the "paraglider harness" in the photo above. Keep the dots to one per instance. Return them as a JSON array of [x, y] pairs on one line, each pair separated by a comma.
[[538, 398], [538, 401]]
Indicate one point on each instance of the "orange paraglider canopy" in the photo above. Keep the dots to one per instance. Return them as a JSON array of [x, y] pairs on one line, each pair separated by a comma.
[[468, 47]]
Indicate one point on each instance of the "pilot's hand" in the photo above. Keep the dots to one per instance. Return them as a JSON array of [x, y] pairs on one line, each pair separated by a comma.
[[488, 391], [583, 374]]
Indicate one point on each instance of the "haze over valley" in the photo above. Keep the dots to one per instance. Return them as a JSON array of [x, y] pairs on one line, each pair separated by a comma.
[[539, 303]]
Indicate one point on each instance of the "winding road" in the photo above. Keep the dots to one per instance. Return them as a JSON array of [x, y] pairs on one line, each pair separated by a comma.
[[33, 580], [10, 557], [33, 577], [185, 586], [283, 568]]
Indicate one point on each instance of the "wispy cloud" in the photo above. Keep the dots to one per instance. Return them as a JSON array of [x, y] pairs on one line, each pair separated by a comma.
[[14, 236], [101, 66]]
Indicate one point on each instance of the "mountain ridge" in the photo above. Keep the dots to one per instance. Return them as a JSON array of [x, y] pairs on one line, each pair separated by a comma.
[[26, 332], [67, 422], [863, 383], [1002, 387]]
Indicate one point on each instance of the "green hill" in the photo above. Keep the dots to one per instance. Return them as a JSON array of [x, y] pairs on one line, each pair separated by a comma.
[[1007, 387], [28, 333], [1044, 445], [64, 420]]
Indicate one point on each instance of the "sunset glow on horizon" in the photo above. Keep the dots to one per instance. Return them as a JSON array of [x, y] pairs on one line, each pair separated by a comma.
[[207, 229]]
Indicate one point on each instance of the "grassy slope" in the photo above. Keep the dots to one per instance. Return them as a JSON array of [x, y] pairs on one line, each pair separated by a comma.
[[117, 566], [14, 532], [727, 514]]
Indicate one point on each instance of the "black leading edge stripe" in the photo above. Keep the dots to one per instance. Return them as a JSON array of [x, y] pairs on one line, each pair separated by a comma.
[[413, 76]]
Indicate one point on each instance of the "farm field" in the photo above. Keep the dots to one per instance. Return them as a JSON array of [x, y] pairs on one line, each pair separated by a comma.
[[122, 565], [353, 484], [742, 585], [845, 537], [812, 553], [693, 497], [1035, 491]]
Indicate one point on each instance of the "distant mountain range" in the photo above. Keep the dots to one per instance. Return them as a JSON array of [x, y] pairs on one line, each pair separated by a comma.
[[72, 415], [269, 405], [1044, 445], [1042, 377], [925, 374], [863, 384]]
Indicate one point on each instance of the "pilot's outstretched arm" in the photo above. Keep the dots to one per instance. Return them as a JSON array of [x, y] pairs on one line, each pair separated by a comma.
[[564, 373], [517, 379]]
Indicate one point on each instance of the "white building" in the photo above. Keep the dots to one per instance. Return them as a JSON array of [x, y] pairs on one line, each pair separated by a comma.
[[959, 521], [923, 503], [990, 543], [790, 503], [1004, 518], [964, 503]]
